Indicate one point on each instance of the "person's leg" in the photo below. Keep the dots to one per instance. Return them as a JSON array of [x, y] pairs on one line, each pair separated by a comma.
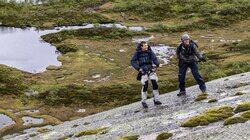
[[195, 71], [144, 82], [182, 75], [144, 92], [154, 79]]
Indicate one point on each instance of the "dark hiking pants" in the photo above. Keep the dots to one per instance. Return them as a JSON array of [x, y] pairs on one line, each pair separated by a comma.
[[195, 71]]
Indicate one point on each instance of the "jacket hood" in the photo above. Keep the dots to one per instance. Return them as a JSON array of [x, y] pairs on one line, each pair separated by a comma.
[[191, 43], [138, 48]]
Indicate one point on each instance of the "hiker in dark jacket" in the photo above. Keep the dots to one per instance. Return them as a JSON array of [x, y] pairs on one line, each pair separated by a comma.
[[188, 56], [146, 63]]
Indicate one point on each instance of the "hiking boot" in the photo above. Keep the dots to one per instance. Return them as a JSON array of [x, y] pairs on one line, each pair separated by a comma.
[[181, 93], [144, 105], [157, 102], [204, 92]]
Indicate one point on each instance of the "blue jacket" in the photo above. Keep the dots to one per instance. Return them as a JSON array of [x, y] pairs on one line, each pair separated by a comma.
[[144, 60]]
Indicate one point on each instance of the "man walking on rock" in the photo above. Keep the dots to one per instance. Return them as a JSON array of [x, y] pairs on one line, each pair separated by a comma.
[[145, 61], [188, 57]]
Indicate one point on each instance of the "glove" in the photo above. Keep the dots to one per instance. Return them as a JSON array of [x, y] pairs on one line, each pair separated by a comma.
[[139, 76], [141, 71], [203, 59], [154, 69]]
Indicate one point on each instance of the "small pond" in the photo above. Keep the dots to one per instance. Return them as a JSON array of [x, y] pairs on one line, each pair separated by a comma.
[[5, 121], [30, 120], [24, 49]]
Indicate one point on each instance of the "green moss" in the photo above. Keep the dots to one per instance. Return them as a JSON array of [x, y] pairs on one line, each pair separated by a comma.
[[76, 12], [241, 47], [240, 85], [209, 116], [164, 136], [245, 106], [160, 28], [49, 15], [64, 94], [211, 14], [201, 97], [33, 135], [120, 94], [159, 10], [86, 123], [239, 94], [246, 114], [92, 33], [135, 137], [92, 132], [153, 10], [65, 48], [234, 120], [65, 137], [52, 67], [212, 70], [43, 130], [11, 81], [212, 100], [238, 67], [178, 27]]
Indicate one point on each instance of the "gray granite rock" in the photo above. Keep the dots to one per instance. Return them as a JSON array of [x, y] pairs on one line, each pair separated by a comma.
[[133, 120]]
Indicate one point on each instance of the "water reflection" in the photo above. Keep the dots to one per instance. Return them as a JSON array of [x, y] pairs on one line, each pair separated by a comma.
[[30, 120], [27, 1], [24, 49], [5, 121]]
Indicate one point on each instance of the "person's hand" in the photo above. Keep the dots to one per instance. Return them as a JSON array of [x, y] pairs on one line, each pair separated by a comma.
[[154, 69], [203, 60], [141, 70]]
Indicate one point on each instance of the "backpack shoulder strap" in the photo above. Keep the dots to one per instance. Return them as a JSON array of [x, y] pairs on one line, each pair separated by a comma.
[[194, 43], [179, 47]]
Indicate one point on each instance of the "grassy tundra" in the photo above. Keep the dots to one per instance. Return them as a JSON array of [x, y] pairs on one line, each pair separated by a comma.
[[221, 28]]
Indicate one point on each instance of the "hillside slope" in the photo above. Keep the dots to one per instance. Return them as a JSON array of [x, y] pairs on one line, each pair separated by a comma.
[[132, 120]]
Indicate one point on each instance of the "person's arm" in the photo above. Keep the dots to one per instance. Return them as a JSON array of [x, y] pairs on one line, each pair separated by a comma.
[[178, 52], [154, 59], [134, 62], [199, 56]]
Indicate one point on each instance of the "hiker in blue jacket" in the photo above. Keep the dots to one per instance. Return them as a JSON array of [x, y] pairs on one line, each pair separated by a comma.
[[146, 63], [188, 57]]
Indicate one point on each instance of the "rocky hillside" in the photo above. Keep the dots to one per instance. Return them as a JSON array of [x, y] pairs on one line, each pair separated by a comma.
[[223, 114], [88, 45]]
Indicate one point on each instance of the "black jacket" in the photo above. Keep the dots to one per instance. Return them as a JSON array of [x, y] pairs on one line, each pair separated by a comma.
[[188, 54]]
